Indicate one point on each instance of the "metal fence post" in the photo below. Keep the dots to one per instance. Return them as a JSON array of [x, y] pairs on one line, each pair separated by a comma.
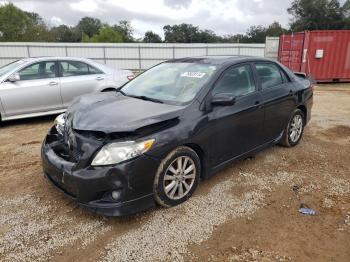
[[104, 55], [239, 49], [139, 57], [66, 48], [206, 50], [173, 52], [28, 51]]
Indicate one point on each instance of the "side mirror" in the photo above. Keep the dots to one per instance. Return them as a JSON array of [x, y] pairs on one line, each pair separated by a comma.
[[223, 99], [300, 74], [14, 77]]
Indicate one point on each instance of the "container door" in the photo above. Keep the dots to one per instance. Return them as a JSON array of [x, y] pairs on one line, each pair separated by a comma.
[[327, 55], [291, 51]]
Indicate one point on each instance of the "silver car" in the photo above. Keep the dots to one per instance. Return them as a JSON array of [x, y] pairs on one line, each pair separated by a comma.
[[41, 86]]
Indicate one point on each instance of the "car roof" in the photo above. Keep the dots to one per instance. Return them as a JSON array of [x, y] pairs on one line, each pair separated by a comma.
[[40, 58], [218, 60]]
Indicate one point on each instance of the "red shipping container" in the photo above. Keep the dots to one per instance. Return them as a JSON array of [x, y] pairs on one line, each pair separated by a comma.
[[324, 54]]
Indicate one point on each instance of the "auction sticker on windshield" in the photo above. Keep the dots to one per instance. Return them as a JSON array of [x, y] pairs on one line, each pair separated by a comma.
[[193, 74]]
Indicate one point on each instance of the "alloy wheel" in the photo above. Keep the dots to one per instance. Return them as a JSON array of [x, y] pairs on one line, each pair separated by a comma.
[[179, 177], [296, 128]]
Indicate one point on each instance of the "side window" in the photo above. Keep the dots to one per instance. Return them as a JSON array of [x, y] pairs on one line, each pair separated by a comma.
[[284, 76], [237, 80], [76, 68], [93, 70], [41, 70], [269, 75]]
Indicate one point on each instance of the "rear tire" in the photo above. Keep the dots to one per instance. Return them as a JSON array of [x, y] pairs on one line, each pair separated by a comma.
[[177, 177], [294, 130]]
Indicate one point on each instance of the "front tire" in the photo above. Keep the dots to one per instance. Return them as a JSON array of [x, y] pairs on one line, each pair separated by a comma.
[[294, 130], [177, 177]]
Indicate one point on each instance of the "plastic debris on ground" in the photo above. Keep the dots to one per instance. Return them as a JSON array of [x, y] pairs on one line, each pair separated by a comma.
[[306, 210]]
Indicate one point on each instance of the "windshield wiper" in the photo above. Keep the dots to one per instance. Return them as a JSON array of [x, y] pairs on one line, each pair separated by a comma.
[[147, 98], [142, 97]]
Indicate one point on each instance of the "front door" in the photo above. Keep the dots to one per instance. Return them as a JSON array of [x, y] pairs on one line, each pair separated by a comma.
[[37, 90], [238, 127]]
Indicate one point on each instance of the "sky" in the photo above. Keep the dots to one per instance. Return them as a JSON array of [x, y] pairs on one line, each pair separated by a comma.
[[222, 16]]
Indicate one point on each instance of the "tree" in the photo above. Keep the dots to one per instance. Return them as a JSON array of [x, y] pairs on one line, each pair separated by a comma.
[[65, 33], [125, 29], [17, 25], [187, 33], [89, 26], [256, 34], [208, 36], [151, 37], [238, 38], [346, 12], [183, 33], [318, 14], [106, 35], [275, 29]]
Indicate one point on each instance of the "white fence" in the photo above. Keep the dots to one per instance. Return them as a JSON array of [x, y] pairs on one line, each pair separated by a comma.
[[135, 56]]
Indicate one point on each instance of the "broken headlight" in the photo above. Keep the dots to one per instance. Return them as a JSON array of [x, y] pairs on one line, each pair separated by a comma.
[[115, 153], [59, 123]]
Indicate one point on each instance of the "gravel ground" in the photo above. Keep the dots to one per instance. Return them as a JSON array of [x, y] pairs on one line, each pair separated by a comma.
[[247, 212]]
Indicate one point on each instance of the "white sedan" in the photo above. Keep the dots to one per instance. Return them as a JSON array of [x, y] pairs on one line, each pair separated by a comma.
[[46, 85]]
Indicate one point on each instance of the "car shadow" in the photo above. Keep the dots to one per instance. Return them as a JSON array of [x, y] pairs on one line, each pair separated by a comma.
[[25, 121]]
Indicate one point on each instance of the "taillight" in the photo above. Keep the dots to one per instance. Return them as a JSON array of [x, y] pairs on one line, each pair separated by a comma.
[[312, 87], [130, 77]]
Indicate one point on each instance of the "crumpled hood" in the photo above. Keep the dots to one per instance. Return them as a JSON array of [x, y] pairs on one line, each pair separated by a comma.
[[113, 112]]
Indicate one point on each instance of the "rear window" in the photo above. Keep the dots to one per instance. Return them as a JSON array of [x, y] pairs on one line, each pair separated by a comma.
[[269, 74], [77, 68]]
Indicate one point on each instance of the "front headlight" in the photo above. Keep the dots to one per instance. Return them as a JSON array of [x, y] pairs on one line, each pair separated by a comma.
[[60, 122], [115, 153]]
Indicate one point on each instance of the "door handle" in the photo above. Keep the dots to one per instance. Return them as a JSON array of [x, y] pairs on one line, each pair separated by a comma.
[[99, 78], [53, 83]]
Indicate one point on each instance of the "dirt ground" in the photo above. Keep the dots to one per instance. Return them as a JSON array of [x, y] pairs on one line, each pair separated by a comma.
[[248, 212]]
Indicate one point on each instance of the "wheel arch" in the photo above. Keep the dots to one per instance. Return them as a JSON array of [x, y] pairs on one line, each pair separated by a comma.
[[202, 157], [108, 89], [304, 110]]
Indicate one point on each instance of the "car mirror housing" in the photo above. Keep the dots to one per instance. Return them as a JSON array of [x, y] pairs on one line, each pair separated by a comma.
[[223, 99], [14, 77]]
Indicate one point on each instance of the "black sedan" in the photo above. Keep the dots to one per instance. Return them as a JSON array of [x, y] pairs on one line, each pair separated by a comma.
[[153, 140]]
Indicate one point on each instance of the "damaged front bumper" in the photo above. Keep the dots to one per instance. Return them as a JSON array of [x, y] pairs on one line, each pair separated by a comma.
[[92, 187]]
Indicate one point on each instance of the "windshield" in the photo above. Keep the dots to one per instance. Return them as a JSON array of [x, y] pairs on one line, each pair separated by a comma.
[[170, 82], [9, 67]]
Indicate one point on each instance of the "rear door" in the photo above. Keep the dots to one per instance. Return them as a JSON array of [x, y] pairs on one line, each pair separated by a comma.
[[78, 78], [37, 90], [277, 96]]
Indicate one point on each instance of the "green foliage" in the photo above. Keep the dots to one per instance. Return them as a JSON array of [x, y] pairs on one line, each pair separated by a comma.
[[187, 33], [151, 37], [66, 34], [106, 35], [17, 25], [319, 14], [89, 26], [125, 29]]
